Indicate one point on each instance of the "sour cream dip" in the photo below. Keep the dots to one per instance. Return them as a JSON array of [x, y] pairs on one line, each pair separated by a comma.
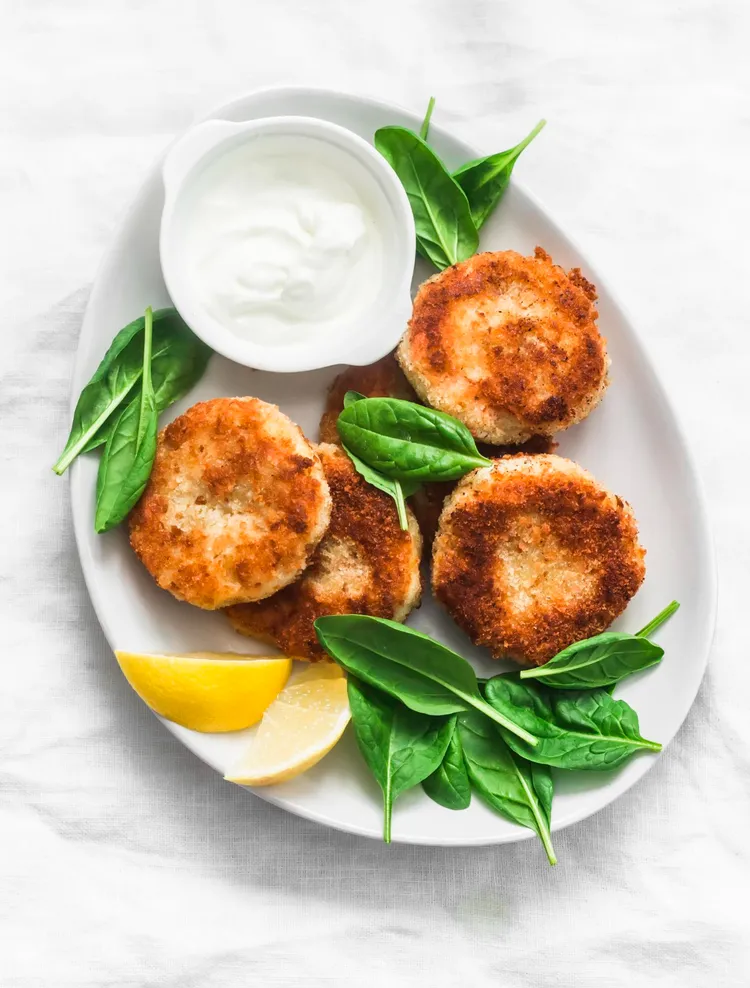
[[280, 243], [286, 243]]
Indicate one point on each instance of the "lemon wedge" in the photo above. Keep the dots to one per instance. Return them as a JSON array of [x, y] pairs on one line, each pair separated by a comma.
[[207, 691], [301, 725]]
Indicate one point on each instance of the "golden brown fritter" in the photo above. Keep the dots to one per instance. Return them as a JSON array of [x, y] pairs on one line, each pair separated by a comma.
[[383, 379], [235, 507], [532, 554], [508, 345], [427, 502], [364, 565]]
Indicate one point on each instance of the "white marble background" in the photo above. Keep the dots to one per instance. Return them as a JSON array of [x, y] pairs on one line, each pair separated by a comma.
[[125, 862]]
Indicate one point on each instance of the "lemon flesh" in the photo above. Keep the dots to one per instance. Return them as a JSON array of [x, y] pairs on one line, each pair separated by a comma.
[[302, 724], [207, 691]]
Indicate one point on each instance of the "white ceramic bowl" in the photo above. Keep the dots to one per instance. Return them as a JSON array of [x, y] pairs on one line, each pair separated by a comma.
[[373, 336]]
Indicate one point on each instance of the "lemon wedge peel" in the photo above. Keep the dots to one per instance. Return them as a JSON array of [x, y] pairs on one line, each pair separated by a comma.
[[209, 692]]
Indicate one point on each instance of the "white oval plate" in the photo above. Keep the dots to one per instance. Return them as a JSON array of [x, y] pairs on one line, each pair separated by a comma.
[[632, 443]]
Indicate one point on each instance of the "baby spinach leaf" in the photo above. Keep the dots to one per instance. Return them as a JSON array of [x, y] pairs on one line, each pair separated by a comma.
[[596, 662], [413, 668], [485, 180], [449, 783], [585, 730], [391, 487], [602, 660], [128, 457], [179, 360], [394, 488], [351, 396], [445, 230], [520, 791], [407, 441], [424, 130], [401, 747]]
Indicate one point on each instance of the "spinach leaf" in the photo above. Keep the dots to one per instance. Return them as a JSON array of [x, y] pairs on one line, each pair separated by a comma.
[[597, 662], [410, 666], [449, 783], [424, 130], [179, 360], [602, 660], [401, 747], [128, 457], [407, 441], [445, 230], [520, 791], [394, 488], [485, 180], [351, 396], [586, 730]]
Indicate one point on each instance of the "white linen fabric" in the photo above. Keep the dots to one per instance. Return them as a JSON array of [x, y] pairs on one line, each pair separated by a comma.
[[126, 862]]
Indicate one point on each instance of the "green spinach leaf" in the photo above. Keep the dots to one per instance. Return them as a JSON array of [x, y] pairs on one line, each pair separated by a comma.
[[179, 359], [449, 783], [520, 791], [485, 180], [406, 441], [602, 660], [128, 457], [424, 130], [401, 747], [394, 488], [585, 730], [413, 668], [445, 230], [178, 362]]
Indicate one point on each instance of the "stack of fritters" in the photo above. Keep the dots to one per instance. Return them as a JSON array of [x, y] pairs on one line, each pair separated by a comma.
[[529, 554]]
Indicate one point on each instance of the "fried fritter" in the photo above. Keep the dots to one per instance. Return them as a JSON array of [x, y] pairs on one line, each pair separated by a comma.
[[427, 502], [236, 504], [508, 345], [532, 554], [364, 565], [383, 379]]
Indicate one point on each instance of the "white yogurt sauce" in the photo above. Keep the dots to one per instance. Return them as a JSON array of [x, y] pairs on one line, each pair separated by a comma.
[[280, 240]]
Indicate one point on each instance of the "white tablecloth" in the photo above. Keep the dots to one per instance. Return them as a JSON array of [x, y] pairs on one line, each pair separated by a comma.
[[126, 862]]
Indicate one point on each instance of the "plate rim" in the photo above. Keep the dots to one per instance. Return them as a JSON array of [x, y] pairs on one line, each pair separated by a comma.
[[657, 385]]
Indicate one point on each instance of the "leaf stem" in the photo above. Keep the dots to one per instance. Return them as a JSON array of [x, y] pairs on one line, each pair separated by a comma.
[[650, 745], [527, 140], [148, 330], [398, 497], [659, 620], [541, 824], [425, 128], [67, 456], [509, 725]]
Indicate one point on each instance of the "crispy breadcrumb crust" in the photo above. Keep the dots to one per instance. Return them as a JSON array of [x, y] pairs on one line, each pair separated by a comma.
[[365, 564], [508, 345], [427, 502], [236, 504], [532, 554], [383, 379]]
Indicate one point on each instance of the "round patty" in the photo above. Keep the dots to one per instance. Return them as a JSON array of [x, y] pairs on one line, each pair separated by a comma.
[[508, 345], [383, 379], [364, 565], [532, 554], [236, 504]]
